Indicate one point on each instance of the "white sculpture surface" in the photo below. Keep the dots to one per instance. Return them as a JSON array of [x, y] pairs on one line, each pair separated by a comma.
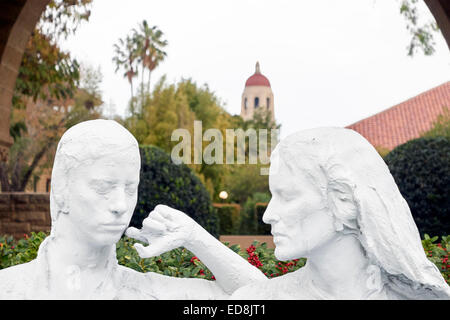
[[335, 203], [94, 192]]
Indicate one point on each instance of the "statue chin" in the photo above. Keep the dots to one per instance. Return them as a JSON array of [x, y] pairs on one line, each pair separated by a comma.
[[284, 255], [107, 239], [279, 255]]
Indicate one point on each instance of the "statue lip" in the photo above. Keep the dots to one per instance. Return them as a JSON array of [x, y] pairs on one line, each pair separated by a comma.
[[114, 226], [277, 234]]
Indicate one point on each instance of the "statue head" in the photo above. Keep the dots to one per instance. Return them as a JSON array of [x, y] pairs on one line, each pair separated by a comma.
[[326, 182], [94, 181]]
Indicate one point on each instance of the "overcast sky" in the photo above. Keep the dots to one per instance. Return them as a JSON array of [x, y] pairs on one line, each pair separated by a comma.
[[329, 62]]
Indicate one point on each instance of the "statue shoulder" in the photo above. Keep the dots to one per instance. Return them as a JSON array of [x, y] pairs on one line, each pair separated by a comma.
[[135, 285], [14, 280], [158, 286], [17, 272], [282, 287]]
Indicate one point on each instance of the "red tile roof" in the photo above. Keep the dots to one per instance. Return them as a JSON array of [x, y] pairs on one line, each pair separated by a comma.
[[405, 121]]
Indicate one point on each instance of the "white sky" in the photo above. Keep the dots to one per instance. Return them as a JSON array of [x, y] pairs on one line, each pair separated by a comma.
[[329, 62]]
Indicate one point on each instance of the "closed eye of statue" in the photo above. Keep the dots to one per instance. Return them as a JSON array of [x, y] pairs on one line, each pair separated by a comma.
[[102, 187]]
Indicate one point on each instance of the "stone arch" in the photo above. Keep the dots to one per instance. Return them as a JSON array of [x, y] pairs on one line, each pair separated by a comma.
[[440, 9], [18, 19]]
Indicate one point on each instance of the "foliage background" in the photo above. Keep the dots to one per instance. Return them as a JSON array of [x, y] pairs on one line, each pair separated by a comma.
[[182, 263], [163, 182], [421, 169]]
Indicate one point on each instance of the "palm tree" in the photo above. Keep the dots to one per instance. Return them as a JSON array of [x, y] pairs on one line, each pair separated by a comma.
[[150, 49], [144, 47], [125, 58]]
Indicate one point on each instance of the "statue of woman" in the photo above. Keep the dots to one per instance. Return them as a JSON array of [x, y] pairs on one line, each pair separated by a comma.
[[95, 178], [335, 203]]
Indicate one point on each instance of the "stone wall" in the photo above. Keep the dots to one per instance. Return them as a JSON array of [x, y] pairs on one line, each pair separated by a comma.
[[23, 213]]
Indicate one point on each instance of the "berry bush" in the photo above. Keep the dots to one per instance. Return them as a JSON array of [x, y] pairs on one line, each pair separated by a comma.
[[182, 263]]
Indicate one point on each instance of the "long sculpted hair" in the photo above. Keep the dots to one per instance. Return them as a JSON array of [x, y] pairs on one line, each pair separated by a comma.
[[365, 200]]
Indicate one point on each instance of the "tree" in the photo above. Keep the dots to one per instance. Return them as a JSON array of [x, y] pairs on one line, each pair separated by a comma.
[[138, 52], [245, 180], [48, 78], [63, 17], [125, 58], [45, 122], [441, 127], [46, 70], [149, 49], [422, 33], [163, 182], [176, 106]]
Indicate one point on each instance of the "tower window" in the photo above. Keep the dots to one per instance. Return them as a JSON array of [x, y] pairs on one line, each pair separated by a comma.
[[256, 102], [268, 102], [245, 103]]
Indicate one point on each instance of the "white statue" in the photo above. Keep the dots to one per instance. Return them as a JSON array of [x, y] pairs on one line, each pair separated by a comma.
[[335, 203], [94, 192]]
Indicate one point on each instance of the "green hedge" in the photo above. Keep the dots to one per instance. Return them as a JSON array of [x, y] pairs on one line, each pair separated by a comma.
[[182, 263], [248, 221], [176, 263], [229, 217], [421, 169], [163, 182], [262, 228]]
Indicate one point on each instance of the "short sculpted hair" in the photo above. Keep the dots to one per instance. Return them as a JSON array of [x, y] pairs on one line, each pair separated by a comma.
[[82, 144]]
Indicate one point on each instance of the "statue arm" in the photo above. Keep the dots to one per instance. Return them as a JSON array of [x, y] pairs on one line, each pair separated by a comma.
[[230, 270], [171, 288], [166, 229]]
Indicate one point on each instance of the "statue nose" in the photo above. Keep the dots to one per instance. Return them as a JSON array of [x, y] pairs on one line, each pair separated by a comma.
[[118, 204], [270, 216]]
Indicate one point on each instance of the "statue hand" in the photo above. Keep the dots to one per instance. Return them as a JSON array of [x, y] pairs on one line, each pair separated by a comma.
[[164, 229]]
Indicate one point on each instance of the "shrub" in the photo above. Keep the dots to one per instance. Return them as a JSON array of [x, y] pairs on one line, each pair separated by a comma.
[[244, 180], [382, 151], [163, 182], [441, 127], [14, 252], [421, 169], [264, 259], [176, 263], [182, 263], [248, 220], [262, 228], [438, 254], [228, 217]]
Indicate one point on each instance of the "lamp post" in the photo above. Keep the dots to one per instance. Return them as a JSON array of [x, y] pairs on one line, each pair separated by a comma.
[[223, 195]]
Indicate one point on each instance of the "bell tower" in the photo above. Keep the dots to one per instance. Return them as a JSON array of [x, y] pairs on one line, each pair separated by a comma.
[[257, 95]]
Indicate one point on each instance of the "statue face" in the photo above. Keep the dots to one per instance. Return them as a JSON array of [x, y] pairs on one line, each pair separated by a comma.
[[102, 197], [298, 213]]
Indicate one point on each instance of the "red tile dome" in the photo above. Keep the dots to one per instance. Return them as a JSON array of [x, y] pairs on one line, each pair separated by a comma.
[[257, 79]]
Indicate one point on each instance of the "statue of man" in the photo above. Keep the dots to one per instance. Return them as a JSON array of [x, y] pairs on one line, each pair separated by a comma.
[[94, 192]]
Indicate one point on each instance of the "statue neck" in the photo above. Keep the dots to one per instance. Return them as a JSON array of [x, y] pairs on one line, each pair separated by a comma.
[[69, 247], [338, 268]]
